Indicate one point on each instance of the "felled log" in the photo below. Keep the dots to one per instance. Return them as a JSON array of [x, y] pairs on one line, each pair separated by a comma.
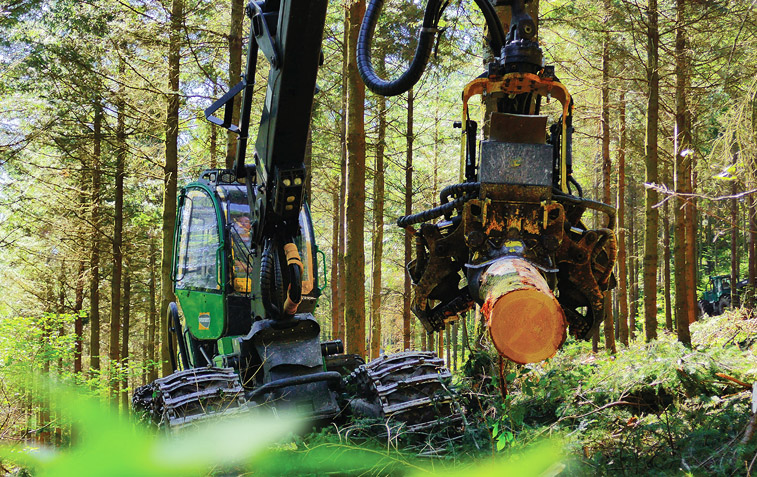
[[525, 321]]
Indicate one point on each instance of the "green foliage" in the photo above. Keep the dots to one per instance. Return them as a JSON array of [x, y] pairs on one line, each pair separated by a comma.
[[652, 409], [108, 444]]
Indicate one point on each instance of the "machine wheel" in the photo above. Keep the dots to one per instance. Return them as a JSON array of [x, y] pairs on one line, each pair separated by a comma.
[[706, 308], [410, 388], [190, 396]]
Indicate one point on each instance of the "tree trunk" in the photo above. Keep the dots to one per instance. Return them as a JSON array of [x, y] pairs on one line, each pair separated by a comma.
[[633, 265], [343, 187], [213, 149], [735, 233], [447, 341], [752, 251], [335, 258], [652, 215], [125, 342], [683, 178], [151, 344], [341, 276], [454, 345], [169, 175], [235, 73], [622, 267], [94, 263], [118, 226], [407, 298], [666, 255], [606, 168], [79, 293], [691, 216], [355, 258], [378, 230]]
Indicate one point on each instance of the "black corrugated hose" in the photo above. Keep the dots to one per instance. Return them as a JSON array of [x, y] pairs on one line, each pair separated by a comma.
[[471, 190], [428, 30], [458, 189]]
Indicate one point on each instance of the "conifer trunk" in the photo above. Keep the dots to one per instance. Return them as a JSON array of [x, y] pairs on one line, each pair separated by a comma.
[[407, 298], [666, 255], [169, 175], [652, 215], [213, 148], [335, 258], [735, 233], [683, 183], [606, 169], [80, 280], [94, 263], [152, 320], [622, 233], [235, 73], [378, 230], [752, 250], [633, 265], [118, 226], [355, 211], [125, 341], [341, 277]]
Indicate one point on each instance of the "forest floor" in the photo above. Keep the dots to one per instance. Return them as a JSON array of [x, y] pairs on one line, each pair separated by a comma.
[[650, 409]]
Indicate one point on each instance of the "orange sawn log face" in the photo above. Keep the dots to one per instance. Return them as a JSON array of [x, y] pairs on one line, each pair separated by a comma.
[[525, 320]]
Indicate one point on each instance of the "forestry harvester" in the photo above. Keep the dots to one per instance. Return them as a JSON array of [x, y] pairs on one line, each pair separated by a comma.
[[245, 269], [513, 232]]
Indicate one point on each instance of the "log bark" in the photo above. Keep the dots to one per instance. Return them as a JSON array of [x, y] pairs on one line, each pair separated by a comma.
[[525, 321]]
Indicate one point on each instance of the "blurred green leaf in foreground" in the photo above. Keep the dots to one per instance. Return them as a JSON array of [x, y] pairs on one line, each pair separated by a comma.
[[106, 444]]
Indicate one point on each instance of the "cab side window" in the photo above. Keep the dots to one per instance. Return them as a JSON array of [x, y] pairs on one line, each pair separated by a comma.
[[197, 264]]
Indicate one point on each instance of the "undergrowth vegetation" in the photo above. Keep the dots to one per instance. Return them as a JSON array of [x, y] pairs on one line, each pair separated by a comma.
[[651, 409]]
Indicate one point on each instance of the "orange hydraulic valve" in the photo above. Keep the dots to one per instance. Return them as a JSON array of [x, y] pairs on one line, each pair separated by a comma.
[[525, 321]]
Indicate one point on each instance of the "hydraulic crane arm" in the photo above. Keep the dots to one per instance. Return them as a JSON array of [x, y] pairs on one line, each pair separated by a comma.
[[289, 34]]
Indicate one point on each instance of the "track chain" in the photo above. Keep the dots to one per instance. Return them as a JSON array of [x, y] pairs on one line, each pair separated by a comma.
[[410, 387], [190, 396]]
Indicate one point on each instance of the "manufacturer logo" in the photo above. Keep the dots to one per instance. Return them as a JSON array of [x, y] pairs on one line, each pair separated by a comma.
[[204, 321]]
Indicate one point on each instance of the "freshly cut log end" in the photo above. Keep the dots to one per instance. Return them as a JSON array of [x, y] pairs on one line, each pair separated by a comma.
[[525, 320]]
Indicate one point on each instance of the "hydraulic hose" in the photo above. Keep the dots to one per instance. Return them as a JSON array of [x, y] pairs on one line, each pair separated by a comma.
[[296, 269], [423, 49], [457, 190], [431, 214], [271, 282]]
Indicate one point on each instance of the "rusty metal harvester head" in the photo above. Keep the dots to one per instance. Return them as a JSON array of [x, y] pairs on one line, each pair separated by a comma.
[[513, 230]]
